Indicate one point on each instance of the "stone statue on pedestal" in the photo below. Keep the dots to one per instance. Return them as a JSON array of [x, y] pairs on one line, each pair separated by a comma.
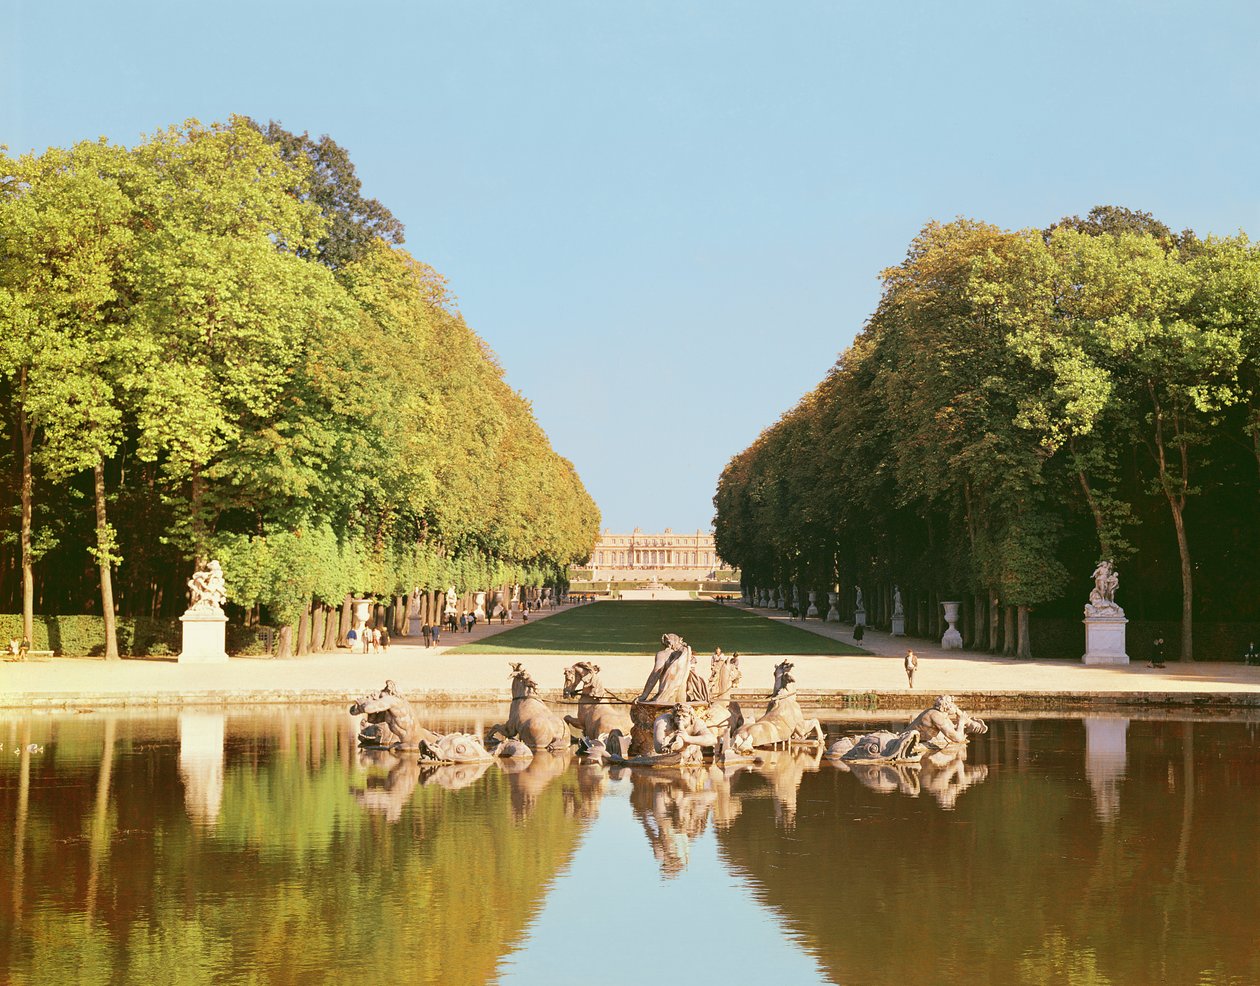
[[206, 589], [1105, 622], [204, 625]]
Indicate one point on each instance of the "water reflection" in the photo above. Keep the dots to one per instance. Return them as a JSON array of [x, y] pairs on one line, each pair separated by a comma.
[[272, 848], [943, 774], [201, 763], [1106, 754]]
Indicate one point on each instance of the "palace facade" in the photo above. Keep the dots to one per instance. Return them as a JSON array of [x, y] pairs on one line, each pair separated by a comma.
[[643, 556]]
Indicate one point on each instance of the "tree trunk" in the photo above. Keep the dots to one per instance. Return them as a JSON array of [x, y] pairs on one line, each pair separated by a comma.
[[284, 643], [344, 624], [1008, 632], [1024, 648], [934, 621], [304, 631], [994, 619], [27, 434], [104, 555], [981, 621], [330, 629], [1187, 582]]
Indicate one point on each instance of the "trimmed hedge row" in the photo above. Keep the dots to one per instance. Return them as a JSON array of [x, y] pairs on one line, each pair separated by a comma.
[[84, 636]]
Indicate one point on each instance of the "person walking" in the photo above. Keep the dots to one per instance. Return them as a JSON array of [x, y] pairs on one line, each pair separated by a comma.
[[426, 632], [859, 631], [463, 621], [912, 665], [1157, 652], [352, 639], [437, 634]]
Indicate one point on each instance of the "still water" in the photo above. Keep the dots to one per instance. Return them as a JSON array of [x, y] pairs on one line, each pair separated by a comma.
[[265, 847]]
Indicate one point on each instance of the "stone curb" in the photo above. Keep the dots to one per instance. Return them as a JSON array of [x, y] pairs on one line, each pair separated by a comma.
[[872, 701]]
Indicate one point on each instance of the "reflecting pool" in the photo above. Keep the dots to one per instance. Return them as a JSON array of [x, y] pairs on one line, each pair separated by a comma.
[[265, 847]]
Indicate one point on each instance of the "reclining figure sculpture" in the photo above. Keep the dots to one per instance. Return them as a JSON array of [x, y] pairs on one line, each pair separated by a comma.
[[941, 727]]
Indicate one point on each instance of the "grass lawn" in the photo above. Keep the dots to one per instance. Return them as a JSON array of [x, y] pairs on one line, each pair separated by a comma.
[[635, 627]]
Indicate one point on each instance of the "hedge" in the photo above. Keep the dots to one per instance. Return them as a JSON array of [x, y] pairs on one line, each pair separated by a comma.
[[84, 636]]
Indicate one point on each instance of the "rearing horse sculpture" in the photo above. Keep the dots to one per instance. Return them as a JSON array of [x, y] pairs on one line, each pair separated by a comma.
[[529, 720], [596, 717], [783, 721]]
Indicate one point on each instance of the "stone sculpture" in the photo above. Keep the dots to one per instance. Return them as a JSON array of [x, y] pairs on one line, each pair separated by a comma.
[[529, 720], [782, 722], [1102, 598], [1105, 622], [679, 738], [206, 589], [945, 724], [453, 748], [667, 682], [882, 746], [724, 676], [452, 600], [898, 607], [833, 607], [204, 624], [812, 609], [898, 614], [599, 713], [389, 722], [952, 639], [857, 599]]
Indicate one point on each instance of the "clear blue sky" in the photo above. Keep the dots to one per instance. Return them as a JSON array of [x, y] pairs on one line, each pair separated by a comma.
[[668, 218]]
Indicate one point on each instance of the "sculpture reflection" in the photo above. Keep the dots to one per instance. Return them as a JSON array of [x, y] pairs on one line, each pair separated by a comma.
[[201, 737]]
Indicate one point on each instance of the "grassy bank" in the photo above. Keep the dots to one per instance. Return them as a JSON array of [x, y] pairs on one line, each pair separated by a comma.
[[635, 627]]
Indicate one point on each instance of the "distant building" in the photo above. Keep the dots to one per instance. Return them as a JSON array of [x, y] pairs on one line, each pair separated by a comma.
[[666, 557]]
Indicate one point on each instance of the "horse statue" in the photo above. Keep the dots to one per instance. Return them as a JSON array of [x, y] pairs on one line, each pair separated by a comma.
[[529, 720], [782, 722], [389, 722], [596, 717], [724, 676]]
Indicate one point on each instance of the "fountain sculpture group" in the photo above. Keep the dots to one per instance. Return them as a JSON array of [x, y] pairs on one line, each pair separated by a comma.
[[680, 719]]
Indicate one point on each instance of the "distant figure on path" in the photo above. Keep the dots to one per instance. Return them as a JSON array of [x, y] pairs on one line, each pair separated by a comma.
[[426, 632], [1157, 653], [437, 634], [352, 639], [859, 631], [463, 621], [912, 665]]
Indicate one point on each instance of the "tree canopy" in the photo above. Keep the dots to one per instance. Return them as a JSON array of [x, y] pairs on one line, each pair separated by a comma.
[[1020, 405], [221, 324]]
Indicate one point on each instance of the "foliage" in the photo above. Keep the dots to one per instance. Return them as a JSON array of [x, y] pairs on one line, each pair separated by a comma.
[[221, 320], [1020, 405]]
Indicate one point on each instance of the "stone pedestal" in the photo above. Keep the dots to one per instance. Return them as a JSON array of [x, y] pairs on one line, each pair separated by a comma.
[[205, 636], [859, 617], [899, 625], [952, 640], [833, 609], [812, 609], [1104, 639]]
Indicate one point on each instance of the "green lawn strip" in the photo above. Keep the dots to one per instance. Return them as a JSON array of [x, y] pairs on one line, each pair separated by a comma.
[[635, 627]]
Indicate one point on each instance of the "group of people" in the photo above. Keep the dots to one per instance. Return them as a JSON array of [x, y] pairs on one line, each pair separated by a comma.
[[374, 639], [432, 632], [18, 648]]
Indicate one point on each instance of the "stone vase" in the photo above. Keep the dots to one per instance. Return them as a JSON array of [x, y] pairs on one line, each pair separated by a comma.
[[952, 639], [479, 605], [833, 607], [812, 610]]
